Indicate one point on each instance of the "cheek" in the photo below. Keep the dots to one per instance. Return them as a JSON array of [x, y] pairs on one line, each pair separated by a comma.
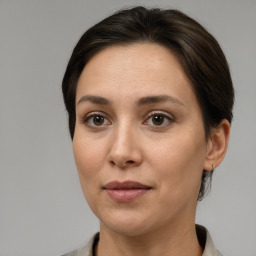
[[179, 164], [89, 159]]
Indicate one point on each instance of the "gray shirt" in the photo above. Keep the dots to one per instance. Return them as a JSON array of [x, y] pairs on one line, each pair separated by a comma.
[[203, 235]]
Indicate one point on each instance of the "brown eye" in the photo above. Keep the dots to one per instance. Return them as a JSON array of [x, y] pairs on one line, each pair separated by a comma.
[[98, 120], [158, 119]]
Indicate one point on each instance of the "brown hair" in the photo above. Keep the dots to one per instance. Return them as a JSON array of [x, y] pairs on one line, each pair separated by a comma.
[[197, 50]]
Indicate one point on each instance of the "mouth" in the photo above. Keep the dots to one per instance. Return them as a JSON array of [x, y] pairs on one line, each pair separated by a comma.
[[126, 191]]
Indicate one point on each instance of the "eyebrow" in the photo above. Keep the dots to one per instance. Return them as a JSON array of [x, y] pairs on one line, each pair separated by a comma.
[[94, 99], [142, 101], [158, 99]]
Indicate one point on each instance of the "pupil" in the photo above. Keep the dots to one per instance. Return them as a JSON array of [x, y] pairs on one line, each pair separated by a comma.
[[158, 120], [98, 120]]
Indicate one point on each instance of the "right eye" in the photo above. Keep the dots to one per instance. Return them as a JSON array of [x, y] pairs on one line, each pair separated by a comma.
[[96, 120]]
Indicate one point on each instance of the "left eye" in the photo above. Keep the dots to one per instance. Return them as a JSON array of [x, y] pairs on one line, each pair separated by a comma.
[[158, 120]]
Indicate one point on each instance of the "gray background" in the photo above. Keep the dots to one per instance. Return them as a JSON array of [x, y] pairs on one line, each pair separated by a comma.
[[42, 209]]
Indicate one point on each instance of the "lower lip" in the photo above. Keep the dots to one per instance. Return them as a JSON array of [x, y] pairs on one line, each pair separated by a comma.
[[126, 194]]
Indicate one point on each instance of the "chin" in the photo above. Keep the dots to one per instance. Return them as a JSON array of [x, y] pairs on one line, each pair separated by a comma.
[[127, 225], [126, 230]]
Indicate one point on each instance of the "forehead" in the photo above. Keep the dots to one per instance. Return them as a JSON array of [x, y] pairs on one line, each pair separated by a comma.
[[137, 68]]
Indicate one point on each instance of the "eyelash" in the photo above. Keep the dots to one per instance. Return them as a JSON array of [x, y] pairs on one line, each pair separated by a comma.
[[167, 118], [89, 117]]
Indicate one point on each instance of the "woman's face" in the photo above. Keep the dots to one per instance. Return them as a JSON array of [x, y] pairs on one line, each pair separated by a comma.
[[139, 141]]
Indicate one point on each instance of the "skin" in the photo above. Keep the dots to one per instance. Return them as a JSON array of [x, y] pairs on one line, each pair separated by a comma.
[[125, 143]]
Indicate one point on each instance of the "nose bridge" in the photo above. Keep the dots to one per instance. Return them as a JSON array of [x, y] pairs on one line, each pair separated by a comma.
[[125, 149]]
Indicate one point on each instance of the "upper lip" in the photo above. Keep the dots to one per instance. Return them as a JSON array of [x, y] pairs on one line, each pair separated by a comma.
[[125, 185]]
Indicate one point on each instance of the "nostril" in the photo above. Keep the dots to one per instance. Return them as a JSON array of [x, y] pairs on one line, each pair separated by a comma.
[[130, 162], [123, 164], [112, 163]]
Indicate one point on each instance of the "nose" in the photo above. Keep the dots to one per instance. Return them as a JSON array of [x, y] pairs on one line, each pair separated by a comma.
[[125, 150]]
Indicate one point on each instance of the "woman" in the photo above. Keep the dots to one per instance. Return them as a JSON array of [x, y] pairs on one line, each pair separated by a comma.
[[149, 97]]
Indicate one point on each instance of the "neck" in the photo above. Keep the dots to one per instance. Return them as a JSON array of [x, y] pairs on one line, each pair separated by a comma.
[[175, 241]]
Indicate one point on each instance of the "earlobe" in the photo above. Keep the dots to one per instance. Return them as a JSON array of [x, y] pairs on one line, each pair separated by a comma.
[[217, 145]]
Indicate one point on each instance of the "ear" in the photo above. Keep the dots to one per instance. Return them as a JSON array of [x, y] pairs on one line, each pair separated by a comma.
[[217, 145]]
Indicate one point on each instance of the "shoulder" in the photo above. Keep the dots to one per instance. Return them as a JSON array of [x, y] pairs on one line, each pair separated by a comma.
[[206, 242]]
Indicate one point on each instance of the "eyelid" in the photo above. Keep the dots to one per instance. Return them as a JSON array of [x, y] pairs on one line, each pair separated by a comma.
[[89, 115], [160, 112], [166, 115]]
